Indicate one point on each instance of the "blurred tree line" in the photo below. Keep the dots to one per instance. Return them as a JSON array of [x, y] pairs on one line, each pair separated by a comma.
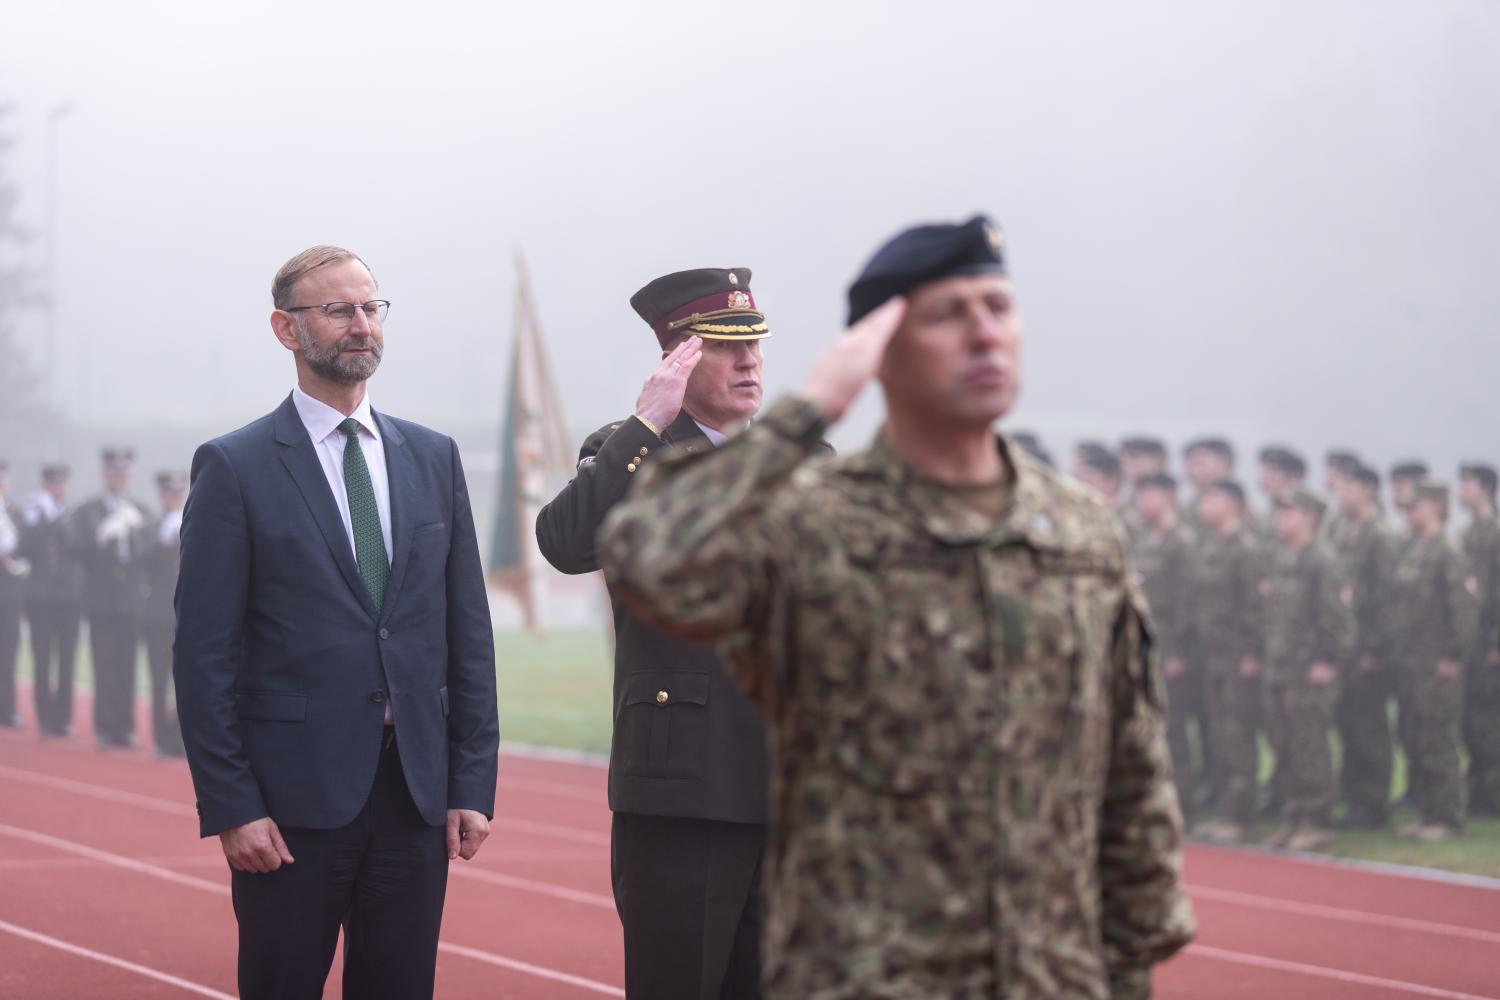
[[21, 289]]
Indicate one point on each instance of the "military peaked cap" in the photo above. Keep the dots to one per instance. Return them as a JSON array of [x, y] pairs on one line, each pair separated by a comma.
[[710, 302]]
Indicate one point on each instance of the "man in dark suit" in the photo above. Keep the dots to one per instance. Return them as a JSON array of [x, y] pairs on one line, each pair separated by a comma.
[[334, 660], [109, 539], [159, 566], [52, 604], [687, 777]]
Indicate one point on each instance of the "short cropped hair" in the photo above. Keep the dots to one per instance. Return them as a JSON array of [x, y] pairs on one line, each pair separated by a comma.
[[305, 262]]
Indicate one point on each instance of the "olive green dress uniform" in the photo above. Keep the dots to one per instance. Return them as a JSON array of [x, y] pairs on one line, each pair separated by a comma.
[[1308, 621], [1481, 727], [1434, 615], [1226, 612], [1367, 552], [971, 784]]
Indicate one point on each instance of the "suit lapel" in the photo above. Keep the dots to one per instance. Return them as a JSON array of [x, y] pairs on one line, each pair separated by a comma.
[[400, 470], [302, 463]]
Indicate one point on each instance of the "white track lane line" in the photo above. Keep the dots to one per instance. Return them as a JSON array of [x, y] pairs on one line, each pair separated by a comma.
[[532, 885], [1320, 972], [98, 791], [119, 963], [1339, 913], [217, 888], [572, 833], [593, 796]]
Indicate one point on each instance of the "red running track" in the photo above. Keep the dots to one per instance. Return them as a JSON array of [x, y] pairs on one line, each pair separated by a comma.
[[109, 893]]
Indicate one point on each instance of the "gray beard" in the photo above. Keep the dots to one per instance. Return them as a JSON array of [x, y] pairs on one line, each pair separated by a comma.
[[333, 364]]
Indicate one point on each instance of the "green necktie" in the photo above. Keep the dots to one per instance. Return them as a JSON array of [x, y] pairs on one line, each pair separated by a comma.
[[364, 516]]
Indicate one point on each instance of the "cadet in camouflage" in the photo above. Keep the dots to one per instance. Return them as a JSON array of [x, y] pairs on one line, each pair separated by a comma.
[[1481, 547], [1434, 614], [971, 792], [1309, 639], [1367, 550]]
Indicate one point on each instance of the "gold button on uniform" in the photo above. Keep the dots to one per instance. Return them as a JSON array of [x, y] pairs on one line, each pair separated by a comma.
[[661, 697], [630, 467], [644, 452]]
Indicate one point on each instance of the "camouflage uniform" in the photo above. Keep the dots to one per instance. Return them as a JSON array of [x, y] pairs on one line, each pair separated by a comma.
[[1308, 620], [1161, 563], [1434, 617], [1481, 547], [970, 781], [1226, 615], [1367, 554]]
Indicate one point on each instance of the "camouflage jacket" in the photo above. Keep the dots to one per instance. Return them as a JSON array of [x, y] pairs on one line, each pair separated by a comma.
[[1434, 606], [1162, 562], [1309, 618], [1225, 607], [970, 787], [1367, 553], [1480, 543]]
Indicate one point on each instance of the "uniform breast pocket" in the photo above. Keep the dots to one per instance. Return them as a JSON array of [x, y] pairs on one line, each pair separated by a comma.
[[662, 731]]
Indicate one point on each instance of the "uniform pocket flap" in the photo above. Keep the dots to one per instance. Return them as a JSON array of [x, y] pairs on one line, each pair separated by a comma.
[[667, 689], [271, 707]]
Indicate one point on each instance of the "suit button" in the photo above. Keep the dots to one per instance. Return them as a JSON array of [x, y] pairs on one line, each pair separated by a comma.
[[385, 634], [661, 697], [377, 696]]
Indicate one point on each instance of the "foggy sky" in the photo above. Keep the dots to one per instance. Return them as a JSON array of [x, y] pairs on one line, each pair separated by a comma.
[[1276, 220]]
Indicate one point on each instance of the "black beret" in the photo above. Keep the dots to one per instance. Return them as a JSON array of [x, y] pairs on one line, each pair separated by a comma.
[[1157, 481], [1342, 459], [1228, 487], [1217, 445], [1098, 458], [1481, 473], [923, 254], [1283, 459], [711, 302], [1409, 470], [1365, 475], [1143, 446], [1032, 445], [172, 481]]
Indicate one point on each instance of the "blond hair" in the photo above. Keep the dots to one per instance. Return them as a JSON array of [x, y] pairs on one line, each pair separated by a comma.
[[307, 261]]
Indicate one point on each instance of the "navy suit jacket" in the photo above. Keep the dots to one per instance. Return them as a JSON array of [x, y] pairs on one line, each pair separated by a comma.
[[283, 664]]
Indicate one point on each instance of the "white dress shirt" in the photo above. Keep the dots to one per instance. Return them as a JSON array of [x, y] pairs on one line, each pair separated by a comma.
[[322, 423]]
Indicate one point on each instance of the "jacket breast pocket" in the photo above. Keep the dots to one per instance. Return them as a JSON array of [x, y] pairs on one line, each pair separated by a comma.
[[662, 731]]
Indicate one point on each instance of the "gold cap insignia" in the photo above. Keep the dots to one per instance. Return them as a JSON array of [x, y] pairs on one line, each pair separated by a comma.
[[734, 279], [739, 300], [997, 241]]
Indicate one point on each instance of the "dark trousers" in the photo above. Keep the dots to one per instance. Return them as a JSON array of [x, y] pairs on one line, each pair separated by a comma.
[[689, 897], [382, 879], [112, 642], [10, 644], [54, 648], [166, 735]]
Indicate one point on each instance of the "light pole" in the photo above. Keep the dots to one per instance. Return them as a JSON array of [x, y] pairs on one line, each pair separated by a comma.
[[54, 350]]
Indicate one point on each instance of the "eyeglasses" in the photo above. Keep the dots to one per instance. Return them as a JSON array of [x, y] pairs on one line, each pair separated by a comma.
[[343, 312]]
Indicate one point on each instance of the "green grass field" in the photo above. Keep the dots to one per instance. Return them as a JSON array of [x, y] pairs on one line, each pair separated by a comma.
[[555, 690]]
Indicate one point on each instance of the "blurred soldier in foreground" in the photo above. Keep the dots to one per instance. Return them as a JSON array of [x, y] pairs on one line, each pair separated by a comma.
[[1162, 550], [1367, 551], [1481, 547], [160, 563], [1434, 615], [12, 570], [1225, 611], [970, 770], [51, 601], [687, 777], [110, 536], [1309, 636]]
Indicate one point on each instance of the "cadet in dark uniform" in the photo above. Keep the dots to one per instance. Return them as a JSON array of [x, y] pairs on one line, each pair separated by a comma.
[[52, 600], [687, 779], [163, 554], [12, 571], [110, 537], [1480, 542]]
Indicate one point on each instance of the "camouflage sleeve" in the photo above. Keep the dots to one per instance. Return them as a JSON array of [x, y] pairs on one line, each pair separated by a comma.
[[1256, 567], [1463, 608], [1146, 914], [1335, 634], [692, 549]]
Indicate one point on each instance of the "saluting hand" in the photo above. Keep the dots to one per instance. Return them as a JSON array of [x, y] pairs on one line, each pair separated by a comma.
[[661, 397], [844, 369]]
